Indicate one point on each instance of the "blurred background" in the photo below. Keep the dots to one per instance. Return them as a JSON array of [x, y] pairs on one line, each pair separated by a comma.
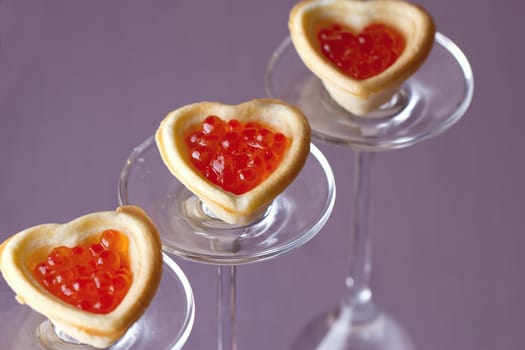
[[83, 82]]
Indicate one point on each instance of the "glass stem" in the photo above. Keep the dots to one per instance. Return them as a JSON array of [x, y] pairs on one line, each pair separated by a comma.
[[226, 323], [358, 294]]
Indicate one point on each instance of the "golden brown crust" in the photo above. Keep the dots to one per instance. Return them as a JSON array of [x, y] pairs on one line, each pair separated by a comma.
[[99, 330], [235, 209], [361, 96]]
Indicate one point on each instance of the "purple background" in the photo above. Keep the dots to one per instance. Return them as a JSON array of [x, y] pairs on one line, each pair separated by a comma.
[[83, 82]]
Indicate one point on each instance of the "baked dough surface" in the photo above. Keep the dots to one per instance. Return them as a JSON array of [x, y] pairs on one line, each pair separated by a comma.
[[245, 208], [19, 253], [361, 96]]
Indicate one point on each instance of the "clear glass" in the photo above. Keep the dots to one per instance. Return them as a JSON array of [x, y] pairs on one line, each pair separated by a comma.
[[172, 305], [190, 231], [427, 104]]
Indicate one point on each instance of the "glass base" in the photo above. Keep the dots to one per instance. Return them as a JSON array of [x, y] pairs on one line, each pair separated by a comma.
[[428, 103], [189, 230], [166, 324], [340, 330]]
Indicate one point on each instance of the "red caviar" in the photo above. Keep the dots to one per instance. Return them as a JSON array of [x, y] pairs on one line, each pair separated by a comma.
[[235, 156], [362, 55], [93, 277]]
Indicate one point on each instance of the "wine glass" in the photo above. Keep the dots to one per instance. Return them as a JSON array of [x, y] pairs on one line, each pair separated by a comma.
[[427, 104], [189, 230], [173, 305]]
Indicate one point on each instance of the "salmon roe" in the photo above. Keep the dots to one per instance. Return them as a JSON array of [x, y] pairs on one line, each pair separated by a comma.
[[233, 155], [362, 55], [92, 277]]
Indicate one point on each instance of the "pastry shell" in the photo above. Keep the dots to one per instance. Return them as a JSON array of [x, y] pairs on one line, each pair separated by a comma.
[[21, 251], [361, 96], [247, 207]]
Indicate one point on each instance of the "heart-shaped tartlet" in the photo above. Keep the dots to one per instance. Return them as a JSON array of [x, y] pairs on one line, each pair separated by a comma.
[[92, 277], [235, 158], [361, 50]]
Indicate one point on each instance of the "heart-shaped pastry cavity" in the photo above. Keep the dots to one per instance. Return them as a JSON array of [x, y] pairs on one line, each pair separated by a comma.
[[47, 267], [235, 158], [362, 50]]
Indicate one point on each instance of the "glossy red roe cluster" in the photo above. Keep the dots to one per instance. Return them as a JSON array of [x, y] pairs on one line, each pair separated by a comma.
[[235, 156], [93, 277], [362, 55]]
